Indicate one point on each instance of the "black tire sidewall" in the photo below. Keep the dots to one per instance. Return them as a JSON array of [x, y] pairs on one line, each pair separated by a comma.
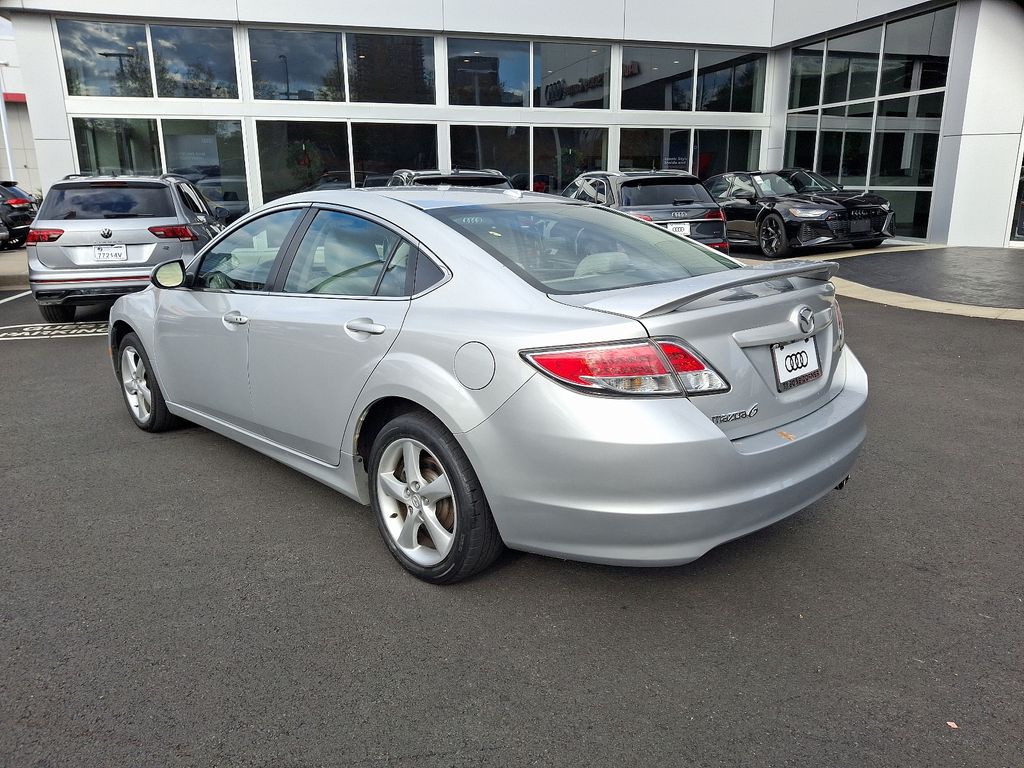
[[159, 417], [783, 248]]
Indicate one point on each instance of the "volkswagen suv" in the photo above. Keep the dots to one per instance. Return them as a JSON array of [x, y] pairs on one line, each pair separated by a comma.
[[96, 238]]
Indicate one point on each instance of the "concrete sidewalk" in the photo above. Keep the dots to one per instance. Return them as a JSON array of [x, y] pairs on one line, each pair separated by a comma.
[[14, 270]]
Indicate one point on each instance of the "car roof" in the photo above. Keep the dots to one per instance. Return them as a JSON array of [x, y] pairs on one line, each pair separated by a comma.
[[632, 175], [428, 198], [77, 178]]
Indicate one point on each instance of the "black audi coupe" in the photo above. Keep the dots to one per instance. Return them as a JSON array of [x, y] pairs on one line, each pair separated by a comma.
[[769, 209]]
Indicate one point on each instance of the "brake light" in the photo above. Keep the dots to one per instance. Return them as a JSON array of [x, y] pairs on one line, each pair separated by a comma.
[[641, 216], [176, 230], [18, 201], [632, 368], [717, 213], [723, 246], [840, 328], [43, 235]]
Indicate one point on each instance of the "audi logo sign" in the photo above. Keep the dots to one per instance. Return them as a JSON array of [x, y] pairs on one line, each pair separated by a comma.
[[796, 361]]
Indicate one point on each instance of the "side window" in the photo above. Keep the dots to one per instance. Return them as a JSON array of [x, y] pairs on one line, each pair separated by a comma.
[[242, 260], [742, 186], [189, 198], [571, 189], [427, 274], [343, 255], [396, 275], [592, 191], [720, 186]]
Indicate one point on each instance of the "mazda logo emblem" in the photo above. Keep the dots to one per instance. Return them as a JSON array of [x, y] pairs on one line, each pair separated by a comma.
[[805, 319], [796, 361], [106, 233]]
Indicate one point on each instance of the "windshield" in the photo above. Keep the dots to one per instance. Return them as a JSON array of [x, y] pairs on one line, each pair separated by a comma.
[[805, 181], [565, 248], [769, 184], [110, 200], [645, 192]]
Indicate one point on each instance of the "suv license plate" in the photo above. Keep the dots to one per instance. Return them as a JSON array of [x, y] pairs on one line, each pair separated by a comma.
[[860, 225], [680, 229], [109, 253], [796, 363]]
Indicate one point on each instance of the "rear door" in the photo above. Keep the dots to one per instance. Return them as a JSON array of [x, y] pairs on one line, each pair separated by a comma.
[[740, 206]]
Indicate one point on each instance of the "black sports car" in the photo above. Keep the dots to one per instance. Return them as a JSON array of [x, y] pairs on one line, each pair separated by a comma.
[[769, 211]]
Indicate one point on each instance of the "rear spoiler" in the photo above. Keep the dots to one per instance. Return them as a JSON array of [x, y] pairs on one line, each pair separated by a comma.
[[651, 300]]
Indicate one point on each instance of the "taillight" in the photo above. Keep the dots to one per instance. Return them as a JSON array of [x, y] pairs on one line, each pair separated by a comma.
[[840, 328], [18, 201], [44, 235], [632, 368], [175, 230], [723, 246], [641, 216], [718, 213]]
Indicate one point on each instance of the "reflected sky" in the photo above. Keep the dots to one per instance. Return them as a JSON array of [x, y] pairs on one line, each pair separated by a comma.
[[124, 71], [208, 51], [296, 65]]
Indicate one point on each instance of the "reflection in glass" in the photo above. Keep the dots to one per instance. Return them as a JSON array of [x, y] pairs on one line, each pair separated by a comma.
[[845, 136], [393, 69], [907, 141], [851, 67], [722, 151], [1017, 228], [303, 66], [571, 75], [917, 52], [911, 211], [194, 62], [731, 81], [657, 78], [380, 149], [655, 149], [562, 154], [296, 155], [805, 76], [801, 128], [209, 154], [493, 73], [504, 148], [113, 146], [105, 59]]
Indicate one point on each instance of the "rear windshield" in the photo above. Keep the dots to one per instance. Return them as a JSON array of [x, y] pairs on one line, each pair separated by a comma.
[[10, 191], [462, 181], [114, 200], [663, 192], [580, 248]]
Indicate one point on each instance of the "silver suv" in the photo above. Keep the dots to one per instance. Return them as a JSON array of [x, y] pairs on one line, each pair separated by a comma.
[[98, 237]]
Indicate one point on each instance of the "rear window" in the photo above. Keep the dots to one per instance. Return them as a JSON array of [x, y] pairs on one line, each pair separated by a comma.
[[9, 190], [116, 200], [462, 181], [580, 248], [663, 192]]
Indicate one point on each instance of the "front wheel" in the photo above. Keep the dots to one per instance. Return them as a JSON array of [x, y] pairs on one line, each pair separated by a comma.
[[771, 237], [430, 508], [140, 389]]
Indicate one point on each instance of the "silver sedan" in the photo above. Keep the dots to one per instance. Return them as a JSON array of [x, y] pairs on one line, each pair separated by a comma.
[[495, 368]]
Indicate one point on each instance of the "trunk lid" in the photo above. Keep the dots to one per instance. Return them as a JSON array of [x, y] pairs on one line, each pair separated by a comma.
[[83, 245]]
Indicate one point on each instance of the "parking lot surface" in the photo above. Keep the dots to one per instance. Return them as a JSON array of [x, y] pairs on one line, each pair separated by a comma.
[[180, 600]]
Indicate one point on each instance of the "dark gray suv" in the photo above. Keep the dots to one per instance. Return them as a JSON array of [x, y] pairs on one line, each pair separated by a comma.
[[98, 237]]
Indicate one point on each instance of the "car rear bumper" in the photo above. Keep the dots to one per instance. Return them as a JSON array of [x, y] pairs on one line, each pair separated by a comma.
[[651, 482], [84, 286]]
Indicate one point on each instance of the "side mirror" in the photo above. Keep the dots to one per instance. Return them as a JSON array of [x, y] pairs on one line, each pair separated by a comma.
[[222, 214], [170, 274]]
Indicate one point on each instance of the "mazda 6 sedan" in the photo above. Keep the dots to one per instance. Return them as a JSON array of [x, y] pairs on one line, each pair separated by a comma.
[[490, 368]]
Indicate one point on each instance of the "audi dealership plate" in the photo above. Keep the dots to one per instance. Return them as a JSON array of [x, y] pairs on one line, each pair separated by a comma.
[[796, 363], [680, 229], [109, 253]]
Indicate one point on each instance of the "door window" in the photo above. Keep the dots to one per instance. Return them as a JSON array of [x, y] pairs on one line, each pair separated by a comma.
[[344, 255], [593, 191], [719, 186], [242, 260]]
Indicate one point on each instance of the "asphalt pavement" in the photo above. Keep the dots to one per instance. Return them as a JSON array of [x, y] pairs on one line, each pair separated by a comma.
[[179, 600]]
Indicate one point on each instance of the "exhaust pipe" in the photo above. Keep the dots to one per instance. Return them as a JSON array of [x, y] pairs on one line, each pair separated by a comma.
[[843, 483]]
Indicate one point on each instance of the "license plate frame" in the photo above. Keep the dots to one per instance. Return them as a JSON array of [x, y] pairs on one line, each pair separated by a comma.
[[101, 254], [796, 363], [680, 228]]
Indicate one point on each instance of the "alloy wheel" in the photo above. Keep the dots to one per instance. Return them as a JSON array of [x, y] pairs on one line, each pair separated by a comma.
[[136, 385], [771, 236]]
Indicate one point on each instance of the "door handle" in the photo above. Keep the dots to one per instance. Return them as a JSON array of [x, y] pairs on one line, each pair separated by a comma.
[[235, 318], [365, 325]]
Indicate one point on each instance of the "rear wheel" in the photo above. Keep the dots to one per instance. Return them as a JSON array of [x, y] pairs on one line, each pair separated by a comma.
[[140, 389], [771, 237], [430, 508], [57, 313]]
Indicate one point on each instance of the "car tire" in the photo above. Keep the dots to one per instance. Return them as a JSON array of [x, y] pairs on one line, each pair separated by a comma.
[[771, 237], [435, 520], [57, 313], [140, 389], [869, 244]]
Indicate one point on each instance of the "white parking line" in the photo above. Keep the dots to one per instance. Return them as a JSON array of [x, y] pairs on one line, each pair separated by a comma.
[[18, 296]]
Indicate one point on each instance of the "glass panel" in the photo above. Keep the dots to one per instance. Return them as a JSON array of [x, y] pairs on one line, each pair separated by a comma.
[[396, 69], [907, 141], [562, 154], [296, 156], [396, 276], [112, 146], [917, 52], [655, 149], [851, 67], [723, 151], [242, 260], [504, 148], [209, 153], [800, 131], [382, 148], [1017, 228], [843, 150], [911, 211], [805, 76], [296, 65], [657, 78], [194, 62], [105, 59], [493, 73], [571, 75], [731, 81], [340, 255], [92, 200]]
